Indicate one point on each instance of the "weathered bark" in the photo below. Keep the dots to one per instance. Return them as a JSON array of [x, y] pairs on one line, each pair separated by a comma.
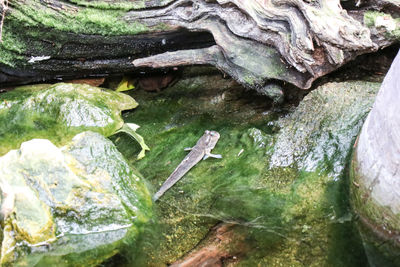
[[376, 164], [255, 41]]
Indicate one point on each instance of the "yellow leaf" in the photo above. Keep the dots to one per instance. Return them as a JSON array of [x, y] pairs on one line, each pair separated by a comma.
[[125, 85]]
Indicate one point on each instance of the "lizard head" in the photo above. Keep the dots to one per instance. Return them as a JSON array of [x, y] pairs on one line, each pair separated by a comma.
[[213, 137], [212, 133]]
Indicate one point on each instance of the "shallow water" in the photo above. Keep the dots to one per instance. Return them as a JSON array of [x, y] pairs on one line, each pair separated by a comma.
[[281, 183]]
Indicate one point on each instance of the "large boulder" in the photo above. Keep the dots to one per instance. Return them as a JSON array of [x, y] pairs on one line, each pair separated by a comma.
[[72, 206], [376, 173]]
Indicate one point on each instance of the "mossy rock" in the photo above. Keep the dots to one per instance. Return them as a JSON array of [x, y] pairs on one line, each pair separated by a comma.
[[58, 112], [72, 206], [281, 178]]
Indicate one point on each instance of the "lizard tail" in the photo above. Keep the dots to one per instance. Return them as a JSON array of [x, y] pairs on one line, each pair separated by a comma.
[[157, 196]]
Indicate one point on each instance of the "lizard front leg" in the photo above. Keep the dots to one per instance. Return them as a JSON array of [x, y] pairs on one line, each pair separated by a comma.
[[208, 154]]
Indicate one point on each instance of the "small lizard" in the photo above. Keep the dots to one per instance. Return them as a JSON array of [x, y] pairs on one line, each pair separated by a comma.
[[202, 150]]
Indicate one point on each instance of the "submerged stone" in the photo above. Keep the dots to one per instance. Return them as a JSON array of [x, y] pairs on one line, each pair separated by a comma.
[[58, 112], [72, 206], [280, 181]]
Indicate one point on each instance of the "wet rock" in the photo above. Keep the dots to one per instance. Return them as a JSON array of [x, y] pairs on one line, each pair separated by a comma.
[[71, 206], [273, 91], [156, 83], [323, 126], [58, 112]]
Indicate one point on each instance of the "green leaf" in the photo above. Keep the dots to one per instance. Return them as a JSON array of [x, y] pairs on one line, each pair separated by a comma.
[[130, 129]]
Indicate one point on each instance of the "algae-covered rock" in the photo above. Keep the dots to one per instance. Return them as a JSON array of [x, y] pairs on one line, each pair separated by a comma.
[[72, 206], [58, 112], [318, 133], [280, 180]]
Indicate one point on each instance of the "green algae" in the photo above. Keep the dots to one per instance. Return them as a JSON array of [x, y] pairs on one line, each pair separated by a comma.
[[312, 133], [366, 206], [381, 20], [12, 48], [376, 223], [293, 212], [122, 4], [58, 112], [47, 27], [74, 206], [72, 19]]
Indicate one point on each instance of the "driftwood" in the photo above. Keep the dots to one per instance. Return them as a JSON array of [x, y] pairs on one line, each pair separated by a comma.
[[224, 245], [294, 41]]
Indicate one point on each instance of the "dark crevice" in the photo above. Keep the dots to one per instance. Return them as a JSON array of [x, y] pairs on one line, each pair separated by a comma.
[[101, 56], [368, 67]]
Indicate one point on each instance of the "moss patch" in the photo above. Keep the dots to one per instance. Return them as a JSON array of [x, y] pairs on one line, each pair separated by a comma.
[[383, 22], [74, 19], [48, 26], [122, 4]]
